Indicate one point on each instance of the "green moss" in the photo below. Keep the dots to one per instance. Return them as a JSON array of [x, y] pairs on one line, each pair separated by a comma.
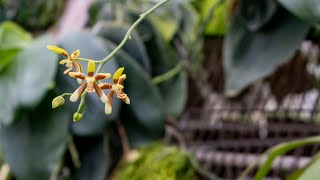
[[157, 162]]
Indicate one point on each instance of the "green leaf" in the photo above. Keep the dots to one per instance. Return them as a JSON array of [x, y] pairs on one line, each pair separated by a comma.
[[218, 24], [281, 149], [93, 153], [6, 57], [249, 56], [34, 145], [12, 39], [308, 10], [134, 47], [13, 36], [144, 118], [312, 171], [95, 120], [189, 27], [163, 58], [167, 21], [27, 79]]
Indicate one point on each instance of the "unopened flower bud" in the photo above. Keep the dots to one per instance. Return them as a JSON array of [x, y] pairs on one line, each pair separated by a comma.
[[58, 102], [77, 116]]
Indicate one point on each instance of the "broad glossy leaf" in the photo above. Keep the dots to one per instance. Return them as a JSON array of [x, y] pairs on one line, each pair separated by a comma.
[[34, 145], [308, 10], [135, 47], [93, 154], [95, 120], [249, 56], [144, 118], [27, 79]]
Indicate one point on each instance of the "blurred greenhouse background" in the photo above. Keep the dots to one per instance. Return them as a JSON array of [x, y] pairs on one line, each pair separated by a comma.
[[219, 89]]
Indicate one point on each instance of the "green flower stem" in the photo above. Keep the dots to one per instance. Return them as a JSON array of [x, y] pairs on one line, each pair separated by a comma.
[[168, 75], [128, 34], [66, 94], [82, 105]]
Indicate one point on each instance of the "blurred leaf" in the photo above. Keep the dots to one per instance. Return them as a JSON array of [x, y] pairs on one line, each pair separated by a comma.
[[34, 145], [6, 57], [308, 10], [134, 47], [94, 158], [281, 149], [218, 23], [93, 47], [249, 56], [12, 39], [167, 21], [257, 14], [190, 22], [144, 117], [164, 58], [27, 79], [312, 171], [13, 36]]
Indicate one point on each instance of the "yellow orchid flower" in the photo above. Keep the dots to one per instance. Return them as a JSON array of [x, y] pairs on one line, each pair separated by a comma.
[[70, 61], [117, 88], [90, 85]]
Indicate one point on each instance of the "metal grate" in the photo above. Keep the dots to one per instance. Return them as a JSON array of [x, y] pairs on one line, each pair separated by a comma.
[[233, 133]]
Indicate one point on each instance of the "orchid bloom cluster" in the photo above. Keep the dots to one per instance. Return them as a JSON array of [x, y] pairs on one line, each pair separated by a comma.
[[91, 82]]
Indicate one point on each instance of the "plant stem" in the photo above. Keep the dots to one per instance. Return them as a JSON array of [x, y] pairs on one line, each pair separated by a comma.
[[66, 94], [128, 34], [168, 75], [74, 153], [124, 138]]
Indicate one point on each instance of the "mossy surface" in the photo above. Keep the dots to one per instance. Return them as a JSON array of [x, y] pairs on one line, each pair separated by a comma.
[[158, 162]]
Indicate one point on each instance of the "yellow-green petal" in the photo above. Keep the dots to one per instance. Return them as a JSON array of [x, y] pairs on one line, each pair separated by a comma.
[[58, 50], [118, 73]]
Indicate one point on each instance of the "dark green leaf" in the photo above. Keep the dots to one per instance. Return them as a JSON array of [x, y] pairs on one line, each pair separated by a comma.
[[94, 158], [27, 79], [249, 56], [164, 58], [144, 117], [93, 47], [189, 25], [134, 47], [308, 10], [256, 14], [34, 145]]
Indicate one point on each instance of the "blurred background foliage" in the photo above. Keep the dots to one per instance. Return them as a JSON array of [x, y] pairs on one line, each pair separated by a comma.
[[37, 141]]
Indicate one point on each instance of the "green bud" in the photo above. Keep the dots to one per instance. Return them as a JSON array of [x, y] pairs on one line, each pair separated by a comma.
[[77, 116], [58, 102]]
